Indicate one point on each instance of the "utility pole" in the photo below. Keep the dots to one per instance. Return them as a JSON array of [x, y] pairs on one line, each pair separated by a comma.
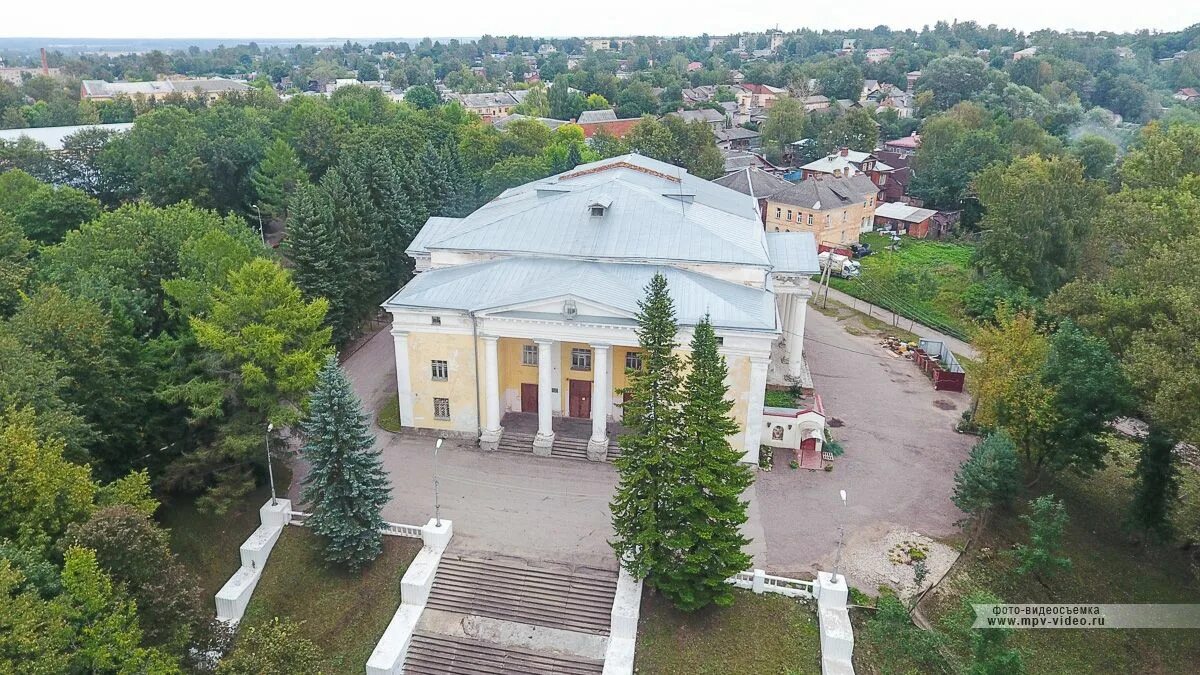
[[270, 470], [837, 562], [437, 509]]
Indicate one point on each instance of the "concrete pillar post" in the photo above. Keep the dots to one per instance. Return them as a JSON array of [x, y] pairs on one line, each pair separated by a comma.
[[403, 380], [597, 449], [795, 335], [545, 435], [489, 439], [754, 411]]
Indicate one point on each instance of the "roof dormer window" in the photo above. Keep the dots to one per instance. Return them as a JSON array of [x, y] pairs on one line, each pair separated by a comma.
[[599, 206]]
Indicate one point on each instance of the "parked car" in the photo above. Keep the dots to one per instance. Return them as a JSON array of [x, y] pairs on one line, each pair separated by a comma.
[[861, 250]]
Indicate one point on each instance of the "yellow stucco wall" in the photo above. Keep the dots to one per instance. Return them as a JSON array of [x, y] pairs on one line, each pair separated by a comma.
[[512, 373], [739, 392], [459, 387], [842, 229]]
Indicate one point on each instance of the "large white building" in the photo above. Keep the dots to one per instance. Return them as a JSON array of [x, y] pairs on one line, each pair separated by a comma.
[[528, 304]]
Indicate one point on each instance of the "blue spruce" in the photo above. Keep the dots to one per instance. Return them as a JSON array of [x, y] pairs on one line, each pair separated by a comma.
[[347, 485]]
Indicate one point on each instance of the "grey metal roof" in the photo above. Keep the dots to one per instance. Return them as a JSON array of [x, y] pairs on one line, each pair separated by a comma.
[[754, 181], [502, 123], [658, 212], [793, 252], [511, 282], [827, 193], [53, 137], [706, 115], [902, 211], [605, 115], [206, 85]]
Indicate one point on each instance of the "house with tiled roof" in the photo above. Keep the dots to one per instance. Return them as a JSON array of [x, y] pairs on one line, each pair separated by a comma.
[[526, 309]]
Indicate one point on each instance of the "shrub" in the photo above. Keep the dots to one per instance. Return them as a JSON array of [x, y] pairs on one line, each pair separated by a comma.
[[991, 475], [1047, 522]]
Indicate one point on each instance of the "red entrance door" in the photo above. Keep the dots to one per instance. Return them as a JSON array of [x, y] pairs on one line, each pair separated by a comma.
[[529, 397], [580, 398]]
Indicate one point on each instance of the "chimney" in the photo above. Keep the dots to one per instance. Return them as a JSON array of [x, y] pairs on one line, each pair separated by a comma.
[[845, 151], [45, 65]]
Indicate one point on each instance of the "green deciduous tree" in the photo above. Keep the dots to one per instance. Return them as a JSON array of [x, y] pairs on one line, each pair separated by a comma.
[[1009, 392], [991, 476], [41, 493], [702, 508], [1096, 154], [653, 417], [952, 79], [262, 346], [347, 485], [784, 126], [15, 265], [1037, 213], [48, 212], [1090, 390], [1157, 489], [106, 632], [133, 550]]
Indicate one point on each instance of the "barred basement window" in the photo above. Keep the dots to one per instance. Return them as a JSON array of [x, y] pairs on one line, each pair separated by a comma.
[[581, 359], [720, 341], [529, 355], [441, 408], [435, 320], [633, 360], [441, 370]]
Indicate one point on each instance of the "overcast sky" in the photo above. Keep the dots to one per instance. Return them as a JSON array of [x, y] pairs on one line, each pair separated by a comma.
[[409, 18]]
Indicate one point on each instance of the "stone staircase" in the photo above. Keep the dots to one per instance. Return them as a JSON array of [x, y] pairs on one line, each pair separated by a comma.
[[430, 654], [564, 446], [509, 616]]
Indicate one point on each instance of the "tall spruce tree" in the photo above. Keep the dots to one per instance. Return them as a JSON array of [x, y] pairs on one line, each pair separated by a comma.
[[312, 246], [276, 179], [702, 503], [359, 231], [653, 417], [1157, 487], [347, 485]]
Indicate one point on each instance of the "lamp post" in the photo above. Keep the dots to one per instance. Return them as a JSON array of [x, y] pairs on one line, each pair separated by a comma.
[[270, 470], [841, 536], [437, 509], [261, 230]]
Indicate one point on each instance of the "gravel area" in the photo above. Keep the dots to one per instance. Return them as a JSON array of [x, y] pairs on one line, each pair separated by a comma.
[[873, 561]]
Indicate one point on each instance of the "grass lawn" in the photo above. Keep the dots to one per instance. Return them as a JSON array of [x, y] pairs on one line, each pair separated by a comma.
[[759, 635], [922, 280], [343, 613], [208, 544], [388, 417], [1107, 567]]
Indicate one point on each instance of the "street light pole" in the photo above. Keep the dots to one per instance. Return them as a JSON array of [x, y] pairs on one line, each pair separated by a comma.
[[261, 230], [437, 509], [270, 470], [841, 536]]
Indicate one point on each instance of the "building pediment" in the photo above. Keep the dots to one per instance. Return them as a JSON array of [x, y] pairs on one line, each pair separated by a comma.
[[565, 307]]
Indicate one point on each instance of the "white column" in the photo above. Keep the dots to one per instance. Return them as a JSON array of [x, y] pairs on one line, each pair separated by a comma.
[[754, 409], [403, 379], [490, 437], [795, 337], [597, 448], [545, 434]]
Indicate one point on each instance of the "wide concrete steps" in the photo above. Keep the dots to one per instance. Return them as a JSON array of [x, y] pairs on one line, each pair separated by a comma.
[[430, 654], [555, 596], [563, 447]]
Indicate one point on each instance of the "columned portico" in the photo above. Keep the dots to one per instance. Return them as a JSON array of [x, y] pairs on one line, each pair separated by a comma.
[[545, 435], [754, 413], [793, 293], [490, 437], [597, 448], [403, 381]]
